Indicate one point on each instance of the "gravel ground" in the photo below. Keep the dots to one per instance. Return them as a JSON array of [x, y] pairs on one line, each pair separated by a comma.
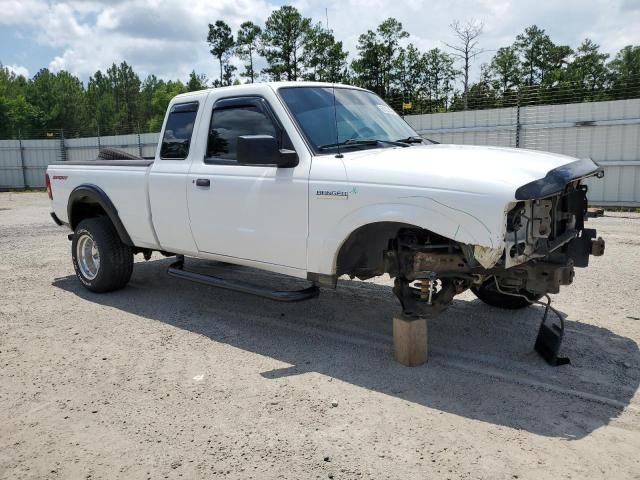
[[169, 379]]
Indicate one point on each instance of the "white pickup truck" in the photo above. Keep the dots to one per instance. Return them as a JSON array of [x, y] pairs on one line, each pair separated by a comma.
[[318, 180]]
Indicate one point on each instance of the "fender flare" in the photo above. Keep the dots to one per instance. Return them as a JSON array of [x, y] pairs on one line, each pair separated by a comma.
[[88, 193]]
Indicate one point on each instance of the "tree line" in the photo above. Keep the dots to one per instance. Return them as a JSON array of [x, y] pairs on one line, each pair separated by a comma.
[[112, 102], [289, 46]]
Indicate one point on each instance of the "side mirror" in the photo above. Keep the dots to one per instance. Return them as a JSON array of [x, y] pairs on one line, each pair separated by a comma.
[[263, 150]]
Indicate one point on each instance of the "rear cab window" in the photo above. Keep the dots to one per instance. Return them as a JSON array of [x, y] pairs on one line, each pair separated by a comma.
[[176, 140]]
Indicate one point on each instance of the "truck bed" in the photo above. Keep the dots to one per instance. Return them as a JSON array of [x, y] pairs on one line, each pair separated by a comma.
[[124, 181]]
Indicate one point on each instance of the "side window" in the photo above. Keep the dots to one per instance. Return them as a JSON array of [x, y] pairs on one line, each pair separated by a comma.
[[177, 133], [228, 123]]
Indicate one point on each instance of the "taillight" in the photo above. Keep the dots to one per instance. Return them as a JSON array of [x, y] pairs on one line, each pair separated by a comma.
[[47, 182]]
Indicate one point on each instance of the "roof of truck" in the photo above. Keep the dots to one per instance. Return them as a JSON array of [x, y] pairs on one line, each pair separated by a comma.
[[273, 85]]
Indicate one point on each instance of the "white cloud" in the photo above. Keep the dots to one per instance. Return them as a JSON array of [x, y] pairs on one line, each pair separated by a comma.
[[18, 70], [168, 38], [20, 11], [162, 37]]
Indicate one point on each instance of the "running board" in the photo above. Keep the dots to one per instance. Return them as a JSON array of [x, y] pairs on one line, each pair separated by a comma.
[[176, 270]]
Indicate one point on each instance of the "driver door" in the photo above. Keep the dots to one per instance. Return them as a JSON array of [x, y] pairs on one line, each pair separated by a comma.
[[252, 212]]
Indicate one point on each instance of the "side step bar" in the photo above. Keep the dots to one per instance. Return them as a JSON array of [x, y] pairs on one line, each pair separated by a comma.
[[176, 270]]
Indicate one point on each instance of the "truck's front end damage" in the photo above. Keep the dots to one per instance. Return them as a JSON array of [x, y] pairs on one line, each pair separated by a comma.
[[544, 240]]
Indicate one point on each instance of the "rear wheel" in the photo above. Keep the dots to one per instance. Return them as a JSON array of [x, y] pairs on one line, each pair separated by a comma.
[[489, 294], [101, 261]]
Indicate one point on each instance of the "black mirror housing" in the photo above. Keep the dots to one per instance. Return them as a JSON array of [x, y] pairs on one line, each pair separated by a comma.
[[264, 150]]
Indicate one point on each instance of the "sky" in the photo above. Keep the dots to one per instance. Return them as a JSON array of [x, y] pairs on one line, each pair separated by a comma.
[[168, 38]]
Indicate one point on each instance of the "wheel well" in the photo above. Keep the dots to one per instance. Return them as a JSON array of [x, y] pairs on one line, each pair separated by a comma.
[[82, 210], [362, 253], [87, 201]]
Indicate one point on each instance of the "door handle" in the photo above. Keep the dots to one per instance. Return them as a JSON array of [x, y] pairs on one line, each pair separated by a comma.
[[203, 182]]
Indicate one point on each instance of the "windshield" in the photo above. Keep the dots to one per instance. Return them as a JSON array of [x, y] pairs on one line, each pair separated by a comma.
[[361, 119]]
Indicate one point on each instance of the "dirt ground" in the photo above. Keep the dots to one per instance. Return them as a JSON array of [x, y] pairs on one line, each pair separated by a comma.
[[169, 379]]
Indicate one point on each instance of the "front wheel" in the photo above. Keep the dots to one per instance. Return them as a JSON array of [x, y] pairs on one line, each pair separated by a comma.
[[101, 261], [489, 294]]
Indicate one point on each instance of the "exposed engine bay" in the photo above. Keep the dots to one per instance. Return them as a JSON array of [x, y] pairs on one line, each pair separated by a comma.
[[544, 240]]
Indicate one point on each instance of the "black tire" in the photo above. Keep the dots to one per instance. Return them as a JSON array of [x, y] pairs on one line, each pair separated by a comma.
[[115, 258], [488, 293], [115, 154]]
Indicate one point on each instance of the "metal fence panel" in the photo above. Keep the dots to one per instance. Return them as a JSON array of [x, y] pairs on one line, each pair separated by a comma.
[[82, 149], [127, 143], [149, 142], [24, 162], [85, 149], [11, 171], [608, 132], [619, 187], [38, 154], [478, 127]]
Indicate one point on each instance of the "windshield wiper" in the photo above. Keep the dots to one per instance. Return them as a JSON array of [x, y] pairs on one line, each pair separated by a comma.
[[359, 142], [397, 143], [348, 143], [411, 140]]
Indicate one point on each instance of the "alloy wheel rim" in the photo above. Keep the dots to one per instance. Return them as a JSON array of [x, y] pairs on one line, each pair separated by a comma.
[[88, 257]]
